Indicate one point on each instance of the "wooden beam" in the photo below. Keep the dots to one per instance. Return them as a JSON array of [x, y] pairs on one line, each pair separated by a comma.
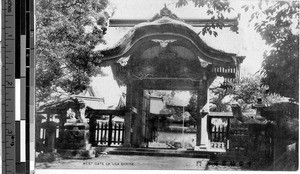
[[167, 84], [220, 114], [105, 112], [192, 22]]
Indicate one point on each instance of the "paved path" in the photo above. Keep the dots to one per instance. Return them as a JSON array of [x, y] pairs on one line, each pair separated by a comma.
[[223, 168]]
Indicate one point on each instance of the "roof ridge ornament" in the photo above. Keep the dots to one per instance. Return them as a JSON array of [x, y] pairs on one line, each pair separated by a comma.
[[165, 12], [164, 43]]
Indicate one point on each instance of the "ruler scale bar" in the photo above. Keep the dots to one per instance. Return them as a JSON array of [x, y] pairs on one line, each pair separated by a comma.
[[8, 94], [22, 56], [23, 141], [18, 158], [18, 100], [17, 39], [17, 86]]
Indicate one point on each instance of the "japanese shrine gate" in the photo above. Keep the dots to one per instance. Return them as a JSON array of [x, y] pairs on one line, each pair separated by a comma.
[[165, 54]]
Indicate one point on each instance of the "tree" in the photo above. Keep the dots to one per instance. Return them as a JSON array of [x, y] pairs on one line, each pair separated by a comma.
[[279, 27], [215, 9], [246, 92], [66, 34], [278, 24], [218, 91]]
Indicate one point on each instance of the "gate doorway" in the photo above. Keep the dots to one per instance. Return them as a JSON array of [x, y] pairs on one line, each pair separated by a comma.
[[171, 119], [166, 54]]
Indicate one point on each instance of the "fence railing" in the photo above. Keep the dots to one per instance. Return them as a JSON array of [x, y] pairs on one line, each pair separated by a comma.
[[109, 134], [252, 139], [219, 137], [219, 134]]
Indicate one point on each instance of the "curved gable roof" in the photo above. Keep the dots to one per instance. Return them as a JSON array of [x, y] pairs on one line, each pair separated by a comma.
[[167, 28]]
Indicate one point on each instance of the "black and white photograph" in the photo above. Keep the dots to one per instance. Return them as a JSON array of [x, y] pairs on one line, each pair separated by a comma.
[[168, 85]]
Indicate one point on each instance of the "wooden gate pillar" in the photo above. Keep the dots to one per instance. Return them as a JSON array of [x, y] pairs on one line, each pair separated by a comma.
[[92, 124], [128, 116], [201, 101], [110, 130], [140, 119], [136, 117]]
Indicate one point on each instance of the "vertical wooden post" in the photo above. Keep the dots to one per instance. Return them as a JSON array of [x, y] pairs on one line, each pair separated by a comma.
[[46, 131], [136, 123], [105, 133], [100, 132], [201, 101], [198, 134], [141, 116], [63, 119], [227, 133], [128, 117], [115, 133], [92, 130], [123, 134], [215, 134], [44, 134], [209, 128], [119, 133], [109, 130], [147, 112]]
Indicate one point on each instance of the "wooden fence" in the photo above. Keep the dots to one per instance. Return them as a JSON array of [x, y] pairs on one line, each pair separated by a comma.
[[219, 136], [252, 140], [109, 134], [239, 138]]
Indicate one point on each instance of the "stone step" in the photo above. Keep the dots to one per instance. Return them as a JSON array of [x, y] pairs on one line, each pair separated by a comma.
[[161, 162], [157, 152]]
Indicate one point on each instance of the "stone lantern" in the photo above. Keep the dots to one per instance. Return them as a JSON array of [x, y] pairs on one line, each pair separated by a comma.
[[259, 106]]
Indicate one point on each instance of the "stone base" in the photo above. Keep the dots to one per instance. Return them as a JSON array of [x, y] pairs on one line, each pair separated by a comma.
[[78, 154], [202, 147], [47, 157], [127, 145]]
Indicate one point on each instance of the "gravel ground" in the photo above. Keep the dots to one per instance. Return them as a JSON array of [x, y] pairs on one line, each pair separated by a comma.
[[121, 162], [223, 168]]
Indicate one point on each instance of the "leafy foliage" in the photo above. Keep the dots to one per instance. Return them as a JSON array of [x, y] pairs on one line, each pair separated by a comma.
[[245, 92], [216, 10], [248, 89], [218, 91], [278, 24], [192, 106], [66, 34]]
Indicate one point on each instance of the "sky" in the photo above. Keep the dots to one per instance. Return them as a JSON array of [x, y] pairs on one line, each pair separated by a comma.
[[247, 43]]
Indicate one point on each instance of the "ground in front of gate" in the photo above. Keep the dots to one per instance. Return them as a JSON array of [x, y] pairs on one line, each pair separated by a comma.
[[132, 162]]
